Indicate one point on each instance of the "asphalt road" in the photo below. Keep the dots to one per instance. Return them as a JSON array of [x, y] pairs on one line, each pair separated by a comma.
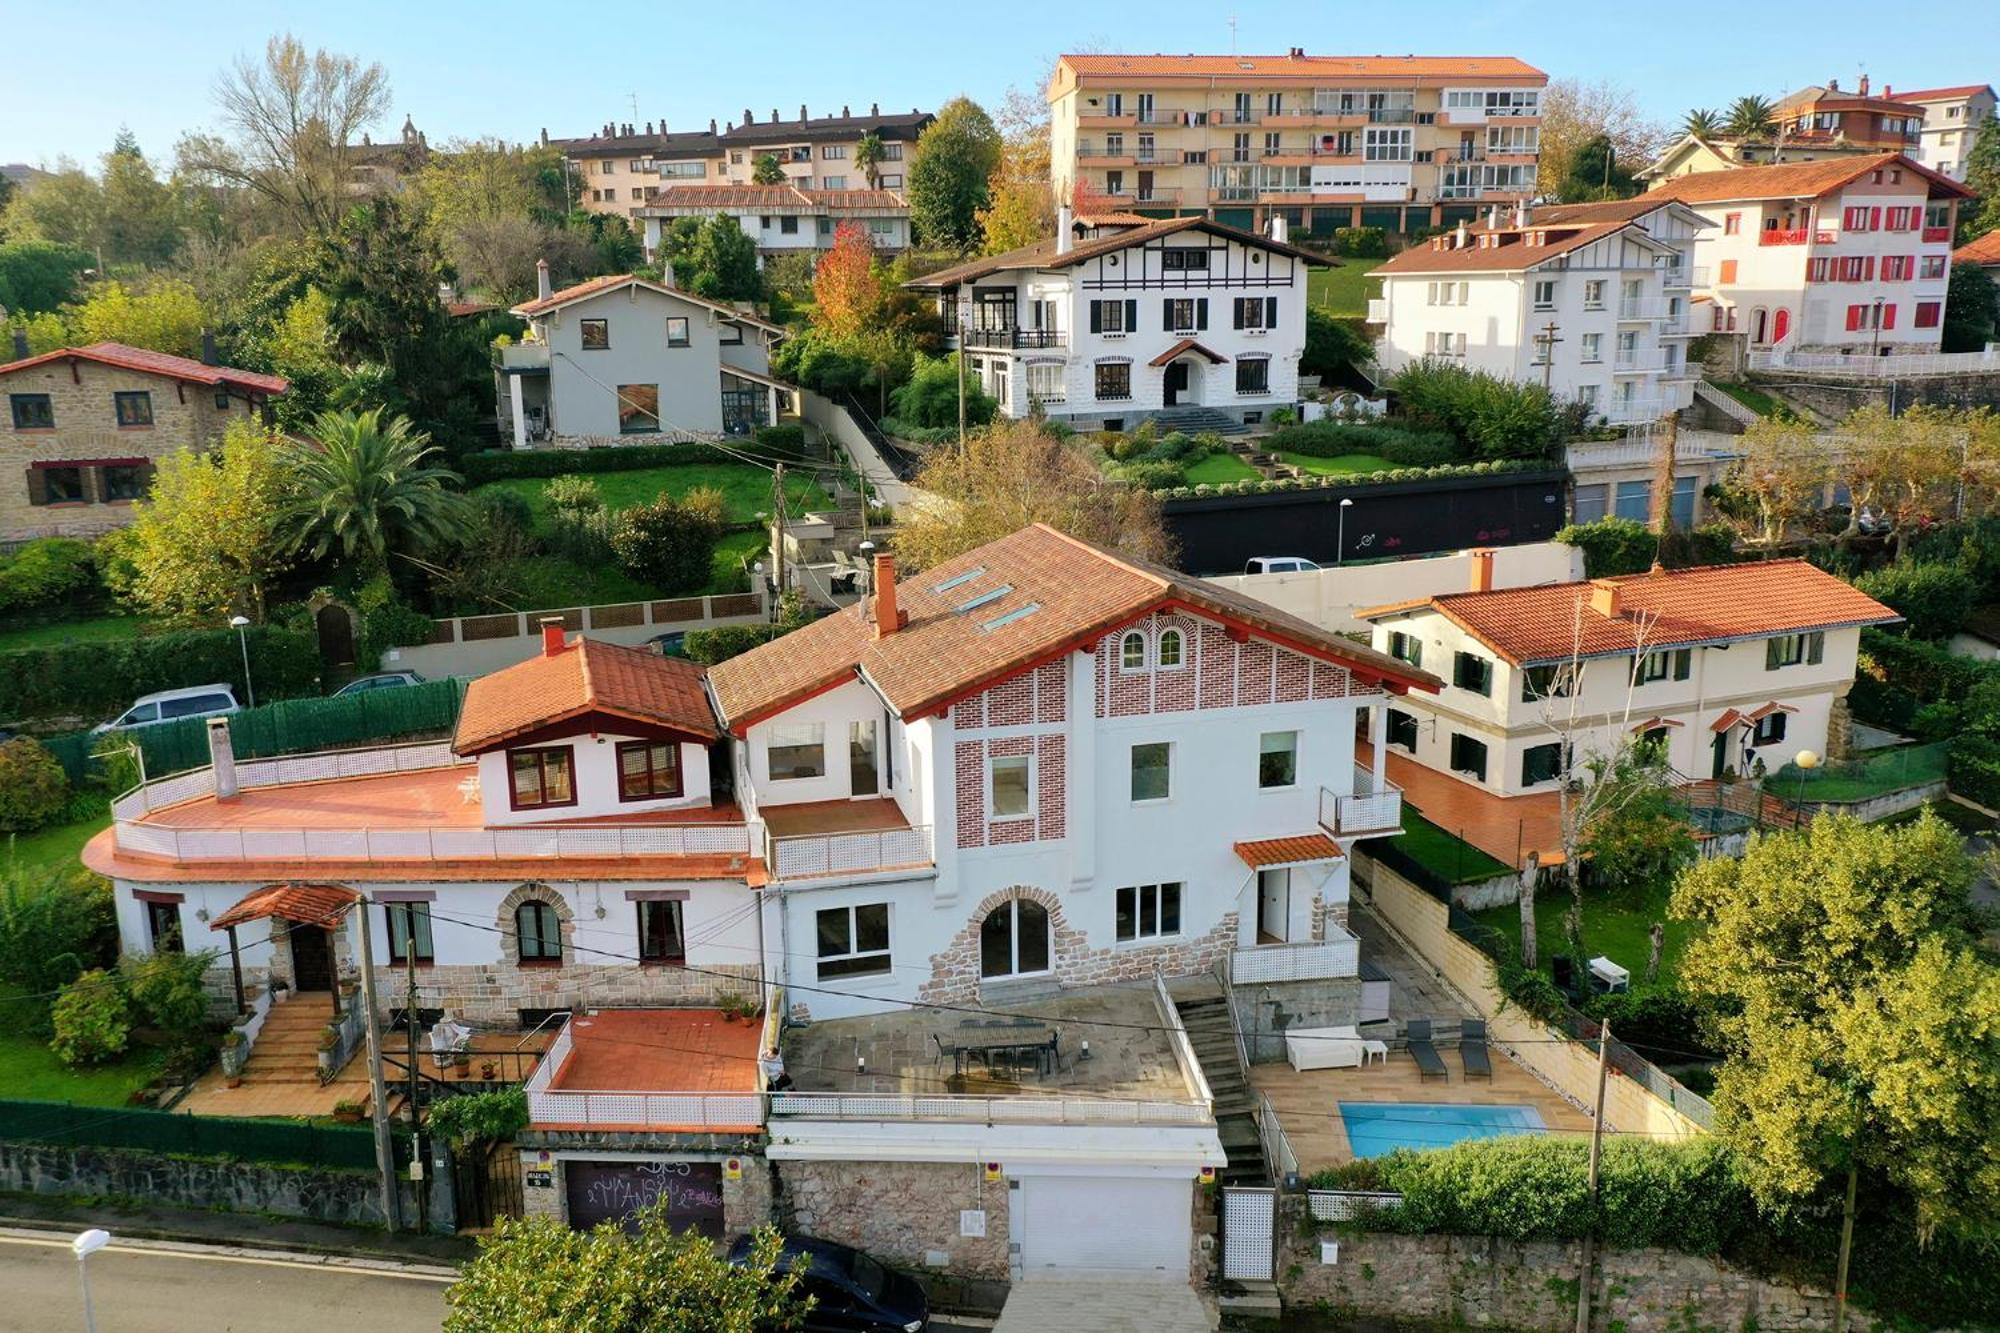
[[142, 1287]]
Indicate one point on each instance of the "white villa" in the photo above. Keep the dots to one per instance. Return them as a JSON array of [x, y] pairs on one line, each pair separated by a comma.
[[1118, 319], [782, 218]]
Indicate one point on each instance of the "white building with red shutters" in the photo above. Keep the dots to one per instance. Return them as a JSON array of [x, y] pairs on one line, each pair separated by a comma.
[[1848, 255]]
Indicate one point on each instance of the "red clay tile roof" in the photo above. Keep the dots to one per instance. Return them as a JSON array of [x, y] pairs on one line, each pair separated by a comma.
[[1043, 254], [1288, 851], [613, 281], [589, 680], [773, 199], [1187, 345], [1512, 253], [1941, 94], [1607, 210], [1305, 68], [157, 363], [948, 649], [1665, 609], [1112, 219], [1985, 250], [311, 904], [1793, 180]]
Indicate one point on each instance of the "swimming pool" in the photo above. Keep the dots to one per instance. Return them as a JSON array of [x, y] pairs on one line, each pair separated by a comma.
[[1375, 1128]]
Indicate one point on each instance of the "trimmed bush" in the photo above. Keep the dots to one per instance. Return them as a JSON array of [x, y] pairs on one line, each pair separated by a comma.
[[34, 790], [670, 542], [1933, 598], [52, 575], [1361, 242], [709, 646], [92, 1020], [1494, 417], [98, 679], [1332, 439]]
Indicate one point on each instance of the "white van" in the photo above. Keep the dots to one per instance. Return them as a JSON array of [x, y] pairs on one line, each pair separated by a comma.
[[1279, 564], [173, 705]]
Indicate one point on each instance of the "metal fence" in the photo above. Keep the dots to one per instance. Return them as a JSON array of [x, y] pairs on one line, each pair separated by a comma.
[[294, 726], [277, 1141]]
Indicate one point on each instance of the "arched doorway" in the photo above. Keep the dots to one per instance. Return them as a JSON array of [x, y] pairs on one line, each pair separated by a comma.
[[1014, 939], [1781, 324], [336, 635], [1757, 320]]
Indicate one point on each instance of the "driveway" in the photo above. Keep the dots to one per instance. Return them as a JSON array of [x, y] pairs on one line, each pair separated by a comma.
[[1077, 1305]]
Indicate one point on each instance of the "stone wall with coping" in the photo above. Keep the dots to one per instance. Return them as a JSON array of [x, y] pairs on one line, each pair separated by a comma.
[[906, 1214], [746, 1203], [1485, 1281], [1266, 1011]]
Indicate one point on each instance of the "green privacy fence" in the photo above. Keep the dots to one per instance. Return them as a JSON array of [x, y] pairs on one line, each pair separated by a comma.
[[334, 1147]]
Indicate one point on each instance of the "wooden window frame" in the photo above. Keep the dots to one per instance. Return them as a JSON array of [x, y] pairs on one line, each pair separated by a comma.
[[540, 754], [647, 748], [679, 909], [121, 398], [521, 957]]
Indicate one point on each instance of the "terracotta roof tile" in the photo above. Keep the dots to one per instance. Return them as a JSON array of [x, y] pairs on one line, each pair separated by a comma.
[[1288, 851], [576, 293], [612, 281], [1043, 254], [312, 904], [1677, 608], [1305, 69], [156, 363], [1511, 254], [1985, 250], [1188, 345], [1071, 593], [1792, 180], [587, 679], [1941, 94]]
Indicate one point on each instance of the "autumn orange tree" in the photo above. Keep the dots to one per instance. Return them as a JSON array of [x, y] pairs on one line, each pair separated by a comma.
[[847, 291]]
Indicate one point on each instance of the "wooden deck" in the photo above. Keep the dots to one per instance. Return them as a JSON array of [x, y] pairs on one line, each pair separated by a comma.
[[1308, 1103]]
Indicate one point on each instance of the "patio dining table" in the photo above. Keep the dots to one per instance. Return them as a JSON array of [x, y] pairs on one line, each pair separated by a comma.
[[1002, 1040]]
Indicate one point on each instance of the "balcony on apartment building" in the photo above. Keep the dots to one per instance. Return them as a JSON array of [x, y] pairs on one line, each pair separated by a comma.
[[1636, 410], [1153, 195], [1669, 317], [1784, 236], [1676, 277], [1937, 235], [1641, 362], [1371, 809], [1009, 336]]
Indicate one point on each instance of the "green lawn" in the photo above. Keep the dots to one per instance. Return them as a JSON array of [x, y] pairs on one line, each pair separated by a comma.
[[746, 490], [1878, 774], [1344, 465], [29, 1072], [49, 847], [1763, 404], [1345, 290], [1614, 926], [1219, 468], [74, 631], [1443, 854]]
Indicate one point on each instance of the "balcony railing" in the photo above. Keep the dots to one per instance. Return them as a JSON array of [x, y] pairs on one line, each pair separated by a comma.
[[822, 854], [288, 769], [1378, 310], [1785, 236], [1644, 310], [549, 1105], [1699, 275], [1863, 366], [1674, 275], [1392, 115], [523, 356], [1011, 337], [1312, 960], [1633, 411], [990, 1110], [1936, 234], [1637, 363], [1364, 811], [528, 842]]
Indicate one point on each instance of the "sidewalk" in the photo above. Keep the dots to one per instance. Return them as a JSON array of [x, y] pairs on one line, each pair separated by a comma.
[[249, 1230]]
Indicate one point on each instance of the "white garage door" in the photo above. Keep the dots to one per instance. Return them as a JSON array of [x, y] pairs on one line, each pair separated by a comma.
[[1104, 1224]]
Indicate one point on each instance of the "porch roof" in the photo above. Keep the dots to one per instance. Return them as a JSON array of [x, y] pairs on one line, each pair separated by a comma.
[[308, 904], [1182, 348], [1302, 849]]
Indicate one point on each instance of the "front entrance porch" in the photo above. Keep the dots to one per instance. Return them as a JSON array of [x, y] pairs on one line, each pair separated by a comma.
[[1182, 372]]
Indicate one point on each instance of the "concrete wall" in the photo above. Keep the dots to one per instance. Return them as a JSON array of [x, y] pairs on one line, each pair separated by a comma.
[[746, 1202], [1482, 1281], [1330, 597], [1265, 1013], [1569, 1067], [454, 653]]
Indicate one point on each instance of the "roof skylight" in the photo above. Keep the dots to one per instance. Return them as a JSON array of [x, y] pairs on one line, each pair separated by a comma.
[[1018, 613], [986, 598], [957, 579]]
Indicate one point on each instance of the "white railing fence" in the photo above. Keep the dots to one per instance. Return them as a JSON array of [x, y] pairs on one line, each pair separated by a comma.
[[318, 766], [1366, 810], [1862, 366], [1184, 1053], [1277, 1144], [815, 855], [1348, 1205], [548, 1105], [433, 844], [1725, 403], [1308, 960], [989, 1110]]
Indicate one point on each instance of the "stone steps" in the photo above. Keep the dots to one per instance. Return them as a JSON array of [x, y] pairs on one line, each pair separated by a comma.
[[1211, 1032]]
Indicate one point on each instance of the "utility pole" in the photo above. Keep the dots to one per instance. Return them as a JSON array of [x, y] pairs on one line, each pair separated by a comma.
[[1548, 339], [1666, 442], [1596, 1147], [964, 328], [778, 526], [385, 1157], [422, 1185]]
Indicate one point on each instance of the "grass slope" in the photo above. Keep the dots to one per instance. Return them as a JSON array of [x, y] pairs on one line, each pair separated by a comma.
[[1616, 927], [1344, 290], [99, 630], [1343, 465], [746, 490]]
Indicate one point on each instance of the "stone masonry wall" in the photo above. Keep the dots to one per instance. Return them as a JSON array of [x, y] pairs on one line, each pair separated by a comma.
[[746, 1203], [1072, 962], [904, 1213], [1485, 1281]]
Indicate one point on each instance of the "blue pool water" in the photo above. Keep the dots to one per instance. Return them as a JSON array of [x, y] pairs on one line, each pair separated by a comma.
[[1374, 1128]]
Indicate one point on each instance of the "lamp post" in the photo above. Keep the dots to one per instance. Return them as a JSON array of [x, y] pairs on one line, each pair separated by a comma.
[[242, 626], [1340, 539], [86, 1244], [1805, 761]]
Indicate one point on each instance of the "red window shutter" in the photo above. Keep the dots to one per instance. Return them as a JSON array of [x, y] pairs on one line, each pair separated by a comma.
[[1889, 316], [1728, 271], [1875, 219], [1868, 269], [1853, 317]]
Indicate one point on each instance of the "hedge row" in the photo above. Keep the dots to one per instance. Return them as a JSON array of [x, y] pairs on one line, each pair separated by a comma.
[[100, 679], [1401, 445], [784, 443], [1320, 482]]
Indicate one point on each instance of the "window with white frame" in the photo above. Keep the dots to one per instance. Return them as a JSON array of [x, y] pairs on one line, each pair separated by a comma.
[[1387, 145], [796, 750], [1045, 382], [1148, 911], [1010, 780], [1545, 294], [1277, 760], [1132, 652], [1591, 347], [1152, 771], [1168, 652], [1593, 294], [853, 941]]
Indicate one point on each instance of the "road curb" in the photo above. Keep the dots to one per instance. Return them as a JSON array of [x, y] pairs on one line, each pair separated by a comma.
[[301, 1248]]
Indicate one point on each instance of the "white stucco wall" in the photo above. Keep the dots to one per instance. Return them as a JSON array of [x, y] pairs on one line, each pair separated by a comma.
[[594, 766]]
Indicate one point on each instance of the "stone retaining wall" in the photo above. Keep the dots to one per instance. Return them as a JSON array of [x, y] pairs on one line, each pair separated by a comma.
[[907, 1214], [1483, 1280], [746, 1203]]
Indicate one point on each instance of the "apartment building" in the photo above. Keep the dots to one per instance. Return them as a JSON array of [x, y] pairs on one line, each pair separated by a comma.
[[85, 427], [1591, 300], [1723, 665], [1110, 323], [1848, 255], [1952, 118], [619, 168], [1816, 122], [818, 152], [1397, 142], [783, 218]]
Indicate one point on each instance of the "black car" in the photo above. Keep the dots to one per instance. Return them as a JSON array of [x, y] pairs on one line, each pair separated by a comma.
[[851, 1292]]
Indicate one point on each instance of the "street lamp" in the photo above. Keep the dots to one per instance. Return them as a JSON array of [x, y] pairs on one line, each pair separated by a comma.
[[1805, 761], [242, 627], [1340, 540], [86, 1244]]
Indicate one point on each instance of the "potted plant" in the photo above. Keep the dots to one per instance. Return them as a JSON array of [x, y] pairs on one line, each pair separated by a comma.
[[461, 1060], [281, 990], [488, 1071], [347, 1111], [235, 1053]]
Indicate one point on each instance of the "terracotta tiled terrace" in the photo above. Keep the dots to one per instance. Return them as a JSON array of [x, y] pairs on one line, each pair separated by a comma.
[[1506, 828], [811, 818], [646, 1064]]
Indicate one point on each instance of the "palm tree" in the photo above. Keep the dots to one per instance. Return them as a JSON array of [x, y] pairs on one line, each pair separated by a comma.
[[768, 170], [365, 490], [868, 157], [1751, 117], [1702, 123]]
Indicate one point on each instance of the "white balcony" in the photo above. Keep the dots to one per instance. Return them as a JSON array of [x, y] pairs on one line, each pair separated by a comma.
[[1638, 363], [1339, 955], [1366, 811], [1378, 310]]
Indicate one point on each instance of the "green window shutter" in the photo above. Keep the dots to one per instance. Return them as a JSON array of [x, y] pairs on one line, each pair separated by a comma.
[[1167, 315], [1201, 314], [1771, 654], [1683, 663], [1816, 647], [1097, 316], [1132, 316]]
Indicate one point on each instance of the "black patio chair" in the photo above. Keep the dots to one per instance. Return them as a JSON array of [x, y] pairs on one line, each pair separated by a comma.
[[1429, 1063], [1472, 1049]]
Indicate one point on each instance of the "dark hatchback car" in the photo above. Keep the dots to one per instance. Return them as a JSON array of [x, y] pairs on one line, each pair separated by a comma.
[[851, 1292]]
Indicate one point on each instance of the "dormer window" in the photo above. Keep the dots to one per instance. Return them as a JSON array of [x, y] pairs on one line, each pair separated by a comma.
[[1169, 654], [1132, 652], [540, 778]]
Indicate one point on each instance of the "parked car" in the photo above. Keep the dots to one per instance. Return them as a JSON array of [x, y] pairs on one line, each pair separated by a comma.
[[173, 705], [851, 1292], [1279, 564], [381, 680]]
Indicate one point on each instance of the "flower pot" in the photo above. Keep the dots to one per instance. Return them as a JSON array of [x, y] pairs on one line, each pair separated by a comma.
[[233, 1081], [348, 1117]]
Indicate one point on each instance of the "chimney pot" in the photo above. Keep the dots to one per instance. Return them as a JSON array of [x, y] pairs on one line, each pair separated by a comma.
[[1482, 569], [887, 618], [747, 117], [1065, 230], [1606, 598], [1864, 85], [1833, 85], [552, 635], [222, 759], [544, 289], [874, 108], [208, 354], [844, 112], [802, 111], [711, 124], [774, 116]]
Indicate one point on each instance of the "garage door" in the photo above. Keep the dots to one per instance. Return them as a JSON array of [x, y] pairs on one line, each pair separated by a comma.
[[1105, 1224], [614, 1191]]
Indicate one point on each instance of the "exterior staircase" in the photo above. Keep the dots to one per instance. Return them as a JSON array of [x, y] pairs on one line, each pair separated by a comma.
[[287, 1047], [1195, 420], [1211, 1031]]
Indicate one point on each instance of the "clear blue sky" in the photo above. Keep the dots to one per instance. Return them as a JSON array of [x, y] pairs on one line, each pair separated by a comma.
[[508, 69]]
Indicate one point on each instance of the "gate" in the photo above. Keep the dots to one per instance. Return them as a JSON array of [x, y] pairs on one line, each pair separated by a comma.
[[486, 1185], [336, 635], [1249, 1233]]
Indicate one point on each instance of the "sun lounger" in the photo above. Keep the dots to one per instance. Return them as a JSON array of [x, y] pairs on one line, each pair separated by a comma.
[[1472, 1049], [1429, 1063]]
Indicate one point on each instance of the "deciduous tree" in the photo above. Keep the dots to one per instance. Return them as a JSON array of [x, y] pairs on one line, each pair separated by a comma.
[[719, 262], [847, 294], [141, 217], [1779, 481], [1574, 112], [1982, 177], [208, 539], [950, 175], [64, 206], [165, 316]]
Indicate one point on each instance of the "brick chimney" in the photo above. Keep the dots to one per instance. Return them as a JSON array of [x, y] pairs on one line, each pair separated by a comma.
[[222, 759], [209, 357], [1606, 598], [887, 618], [552, 635], [1482, 569], [1864, 85]]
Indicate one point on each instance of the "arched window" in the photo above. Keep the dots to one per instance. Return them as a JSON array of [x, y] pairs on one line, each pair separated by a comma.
[[1169, 654], [1132, 652], [538, 933], [1014, 939]]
